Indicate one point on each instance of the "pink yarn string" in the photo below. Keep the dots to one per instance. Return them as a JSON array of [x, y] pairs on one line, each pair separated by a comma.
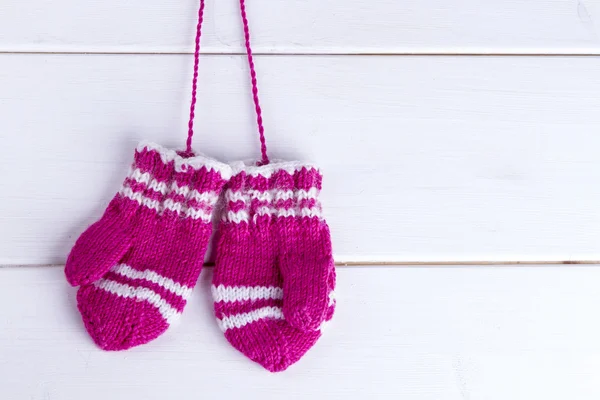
[[259, 120], [195, 79]]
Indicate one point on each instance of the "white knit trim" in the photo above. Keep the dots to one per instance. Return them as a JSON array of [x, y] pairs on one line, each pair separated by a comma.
[[278, 194], [182, 164], [154, 277], [175, 206], [311, 212], [169, 313], [168, 204], [310, 194], [180, 190], [149, 181], [243, 319], [230, 294], [198, 213], [282, 213], [272, 195], [143, 201], [230, 195], [275, 195], [236, 217], [242, 215], [209, 197], [206, 197], [264, 210], [250, 167]]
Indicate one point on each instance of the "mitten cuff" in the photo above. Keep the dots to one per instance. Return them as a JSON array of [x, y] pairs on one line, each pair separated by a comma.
[[183, 164], [169, 183], [278, 190]]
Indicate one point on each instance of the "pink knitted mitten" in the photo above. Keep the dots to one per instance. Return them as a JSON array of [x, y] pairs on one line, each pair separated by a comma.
[[140, 261], [274, 276]]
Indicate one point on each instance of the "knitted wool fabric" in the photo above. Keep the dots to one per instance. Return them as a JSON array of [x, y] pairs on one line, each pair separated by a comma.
[[140, 261], [274, 276]]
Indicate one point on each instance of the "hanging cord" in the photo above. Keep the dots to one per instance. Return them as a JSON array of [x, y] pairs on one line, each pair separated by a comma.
[[259, 121], [195, 80]]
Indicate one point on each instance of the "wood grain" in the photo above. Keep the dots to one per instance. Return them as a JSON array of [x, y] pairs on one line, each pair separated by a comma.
[[304, 26], [428, 160], [425, 159], [419, 333]]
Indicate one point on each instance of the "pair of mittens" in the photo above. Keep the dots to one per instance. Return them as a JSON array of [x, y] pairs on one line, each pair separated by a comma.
[[274, 278]]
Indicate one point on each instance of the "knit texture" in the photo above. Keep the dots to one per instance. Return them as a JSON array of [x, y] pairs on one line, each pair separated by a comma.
[[274, 276], [141, 260]]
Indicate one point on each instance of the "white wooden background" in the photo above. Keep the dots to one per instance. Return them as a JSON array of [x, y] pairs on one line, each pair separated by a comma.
[[449, 132]]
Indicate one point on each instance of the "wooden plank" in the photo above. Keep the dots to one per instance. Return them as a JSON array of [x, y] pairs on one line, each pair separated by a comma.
[[304, 26], [419, 333], [425, 158]]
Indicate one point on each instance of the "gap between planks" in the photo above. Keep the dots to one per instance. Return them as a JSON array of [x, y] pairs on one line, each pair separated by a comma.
[[391, 263], [323, 53]]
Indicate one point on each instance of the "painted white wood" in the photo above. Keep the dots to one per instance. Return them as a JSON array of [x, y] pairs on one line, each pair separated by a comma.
[[304, 26], [418, 333], [425, 158]]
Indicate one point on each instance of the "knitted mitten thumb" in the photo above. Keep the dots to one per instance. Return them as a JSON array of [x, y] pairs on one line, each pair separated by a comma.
[[101, 246], [305, 264], [305, 258]]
